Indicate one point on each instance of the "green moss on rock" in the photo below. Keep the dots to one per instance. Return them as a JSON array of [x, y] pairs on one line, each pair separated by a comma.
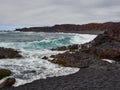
[[4, 73]]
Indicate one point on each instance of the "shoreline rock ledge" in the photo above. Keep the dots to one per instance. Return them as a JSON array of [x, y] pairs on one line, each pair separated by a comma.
[[9, 53], [8, 81], [104, 46], [4, 54]]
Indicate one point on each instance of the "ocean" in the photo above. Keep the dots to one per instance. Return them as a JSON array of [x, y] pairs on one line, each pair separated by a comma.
[[33, 46]]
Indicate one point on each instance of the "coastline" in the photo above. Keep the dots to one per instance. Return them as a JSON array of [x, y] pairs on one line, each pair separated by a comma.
[[98, 76]]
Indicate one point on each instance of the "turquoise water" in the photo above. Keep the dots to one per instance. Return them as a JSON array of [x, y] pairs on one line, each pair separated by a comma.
[[33, 47]]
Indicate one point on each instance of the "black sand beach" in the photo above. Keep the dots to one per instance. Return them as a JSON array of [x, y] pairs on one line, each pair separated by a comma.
[[85, 79]]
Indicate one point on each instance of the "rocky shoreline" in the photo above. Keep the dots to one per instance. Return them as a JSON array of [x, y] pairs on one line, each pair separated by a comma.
[[104, 46], [98, 60], [96, 72], [4, 54]]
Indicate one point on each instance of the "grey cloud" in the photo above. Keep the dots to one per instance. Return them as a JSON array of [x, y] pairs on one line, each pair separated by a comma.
[[49, 12]]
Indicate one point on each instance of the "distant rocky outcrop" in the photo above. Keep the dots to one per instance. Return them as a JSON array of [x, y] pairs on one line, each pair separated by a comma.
[[9, 53], [74, 27]]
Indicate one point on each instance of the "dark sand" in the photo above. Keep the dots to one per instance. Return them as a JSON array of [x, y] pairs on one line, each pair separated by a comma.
[[85, 79]]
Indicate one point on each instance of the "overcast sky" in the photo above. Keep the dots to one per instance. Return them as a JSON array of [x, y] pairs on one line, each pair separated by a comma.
[[50, 12]]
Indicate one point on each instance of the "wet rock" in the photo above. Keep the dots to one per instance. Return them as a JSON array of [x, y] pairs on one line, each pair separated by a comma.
[[45, 57], [74, 47], [77, 59], [83, 59], [4, 73], [63, 48], [7, 83], [69, 48], [9, 53]]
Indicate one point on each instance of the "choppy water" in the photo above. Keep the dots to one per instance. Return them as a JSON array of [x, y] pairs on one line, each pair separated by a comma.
[[33, 47]]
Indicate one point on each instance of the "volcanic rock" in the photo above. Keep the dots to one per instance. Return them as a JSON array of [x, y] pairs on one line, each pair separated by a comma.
[[8, 82], [4, 73], [9, 53], [79, 59], [45, 57], [74, 28], [108, 50], [70, 48], [106, 45]]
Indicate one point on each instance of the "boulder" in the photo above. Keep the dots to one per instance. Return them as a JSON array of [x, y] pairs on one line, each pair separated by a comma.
[[45, 57], [4, 73], [7, 83], [9, 53]]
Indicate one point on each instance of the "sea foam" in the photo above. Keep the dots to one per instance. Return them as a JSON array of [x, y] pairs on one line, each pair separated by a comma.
[[33, 47]]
